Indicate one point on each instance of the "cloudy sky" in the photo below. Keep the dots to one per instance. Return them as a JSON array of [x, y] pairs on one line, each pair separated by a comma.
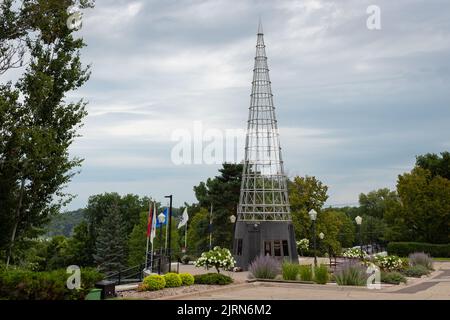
[[355, 106]]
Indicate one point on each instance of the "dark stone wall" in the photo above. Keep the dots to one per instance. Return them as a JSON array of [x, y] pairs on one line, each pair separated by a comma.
[[253, 235]]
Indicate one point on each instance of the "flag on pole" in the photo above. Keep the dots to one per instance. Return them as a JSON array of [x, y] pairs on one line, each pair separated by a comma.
[[149, 221], [166, 214], [153, 227], [184, 218]]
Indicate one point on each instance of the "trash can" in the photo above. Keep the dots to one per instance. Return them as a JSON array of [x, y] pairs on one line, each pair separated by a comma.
[[108, 288], [94, 294]]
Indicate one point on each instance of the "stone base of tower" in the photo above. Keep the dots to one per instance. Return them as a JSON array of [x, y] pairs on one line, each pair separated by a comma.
[[275, 238]]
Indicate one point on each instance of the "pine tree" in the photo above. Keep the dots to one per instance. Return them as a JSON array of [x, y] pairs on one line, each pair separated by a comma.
[[111, 242]]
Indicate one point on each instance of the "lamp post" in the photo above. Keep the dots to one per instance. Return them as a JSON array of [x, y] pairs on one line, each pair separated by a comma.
[[358, 220], [161, 220], [170, 232], [321, 236], [233, 221], [313, 215]]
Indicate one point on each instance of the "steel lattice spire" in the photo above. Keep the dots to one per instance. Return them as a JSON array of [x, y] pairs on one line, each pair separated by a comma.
[[264, 194]]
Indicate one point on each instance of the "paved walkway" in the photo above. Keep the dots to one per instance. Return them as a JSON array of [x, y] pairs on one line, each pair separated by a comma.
[[435, 287]]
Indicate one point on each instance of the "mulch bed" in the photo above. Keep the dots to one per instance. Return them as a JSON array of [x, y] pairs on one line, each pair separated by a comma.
[[134, 294]]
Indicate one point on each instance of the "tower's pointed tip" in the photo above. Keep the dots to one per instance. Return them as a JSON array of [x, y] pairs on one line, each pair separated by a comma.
[[260, 28]]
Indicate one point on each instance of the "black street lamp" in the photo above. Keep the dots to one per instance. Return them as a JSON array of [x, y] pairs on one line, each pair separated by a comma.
[[233, 221], [161, 220], [313, 215], [170, 232], [358, 220]]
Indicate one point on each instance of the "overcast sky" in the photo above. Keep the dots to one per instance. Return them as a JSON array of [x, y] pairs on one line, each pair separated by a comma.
[[354, 106]]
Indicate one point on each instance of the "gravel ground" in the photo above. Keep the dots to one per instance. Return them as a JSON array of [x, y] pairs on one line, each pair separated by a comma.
[[133, 294]]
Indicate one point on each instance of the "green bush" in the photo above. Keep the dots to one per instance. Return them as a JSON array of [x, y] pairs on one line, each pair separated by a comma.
[[321, 274], [404, 249], [416, 271], [187, 279], [393, 277], [212, 278], [289, 270], [154, 282], [305, 272], [28, 285], [172, 280]]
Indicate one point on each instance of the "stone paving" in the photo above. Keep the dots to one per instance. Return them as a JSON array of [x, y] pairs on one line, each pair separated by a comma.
[[437, 286]]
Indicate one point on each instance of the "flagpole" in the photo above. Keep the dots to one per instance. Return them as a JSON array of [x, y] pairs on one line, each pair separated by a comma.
[[210, 228], [148, 235], [185, 236], [151, 230]]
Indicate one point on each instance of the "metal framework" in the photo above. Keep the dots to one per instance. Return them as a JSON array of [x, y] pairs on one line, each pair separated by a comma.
[[264, 195]]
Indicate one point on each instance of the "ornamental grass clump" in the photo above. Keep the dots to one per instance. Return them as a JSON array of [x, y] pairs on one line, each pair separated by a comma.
[[420, 259], [305, 272], [321, 275], [219, 258], [264, 267], [351, 273], [289, 270]]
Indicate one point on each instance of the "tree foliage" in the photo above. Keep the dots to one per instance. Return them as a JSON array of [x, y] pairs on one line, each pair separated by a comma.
[[38, 124]]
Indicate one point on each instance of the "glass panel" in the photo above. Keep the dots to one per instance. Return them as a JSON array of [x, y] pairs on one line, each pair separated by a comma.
[[239, 247], [277, 248], [285, 248], [267, 248]]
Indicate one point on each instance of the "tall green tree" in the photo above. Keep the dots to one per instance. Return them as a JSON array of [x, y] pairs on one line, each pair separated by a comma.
[[111, 242], [376, 202], [437, 165], [38, 124], [305, 193], [222, 192], [423, 213]]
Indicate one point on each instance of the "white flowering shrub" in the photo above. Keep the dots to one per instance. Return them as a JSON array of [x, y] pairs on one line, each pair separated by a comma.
[[303, 244], [353, 253], [388, 263], [219, 258]]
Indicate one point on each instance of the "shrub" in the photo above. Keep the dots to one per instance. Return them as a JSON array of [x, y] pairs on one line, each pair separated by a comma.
[[392, 277], [186, 259], [219, 258], [212, 278], [321, 274], [172, 280], [305, 272], [27, 285], [351, 273], [416, 271], [354, 253], [289, 270], [187, 279], [421, 259], [403, 249], [388, 263], [154, 282], [264, 267]]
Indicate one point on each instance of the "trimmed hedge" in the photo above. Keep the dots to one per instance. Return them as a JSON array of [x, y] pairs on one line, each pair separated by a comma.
[[153, 282], [20, 284], [187, 279], [404, 249], [173, 280], [212, 278]]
